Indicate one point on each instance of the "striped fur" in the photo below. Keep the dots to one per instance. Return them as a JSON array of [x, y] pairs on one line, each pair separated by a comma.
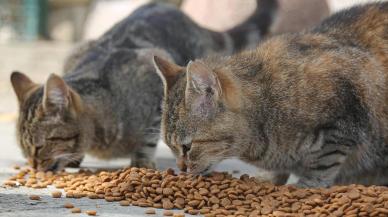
[[108, 102], [313, 103]]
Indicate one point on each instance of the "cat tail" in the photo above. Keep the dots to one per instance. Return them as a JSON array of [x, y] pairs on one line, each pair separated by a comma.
[[250, 32]]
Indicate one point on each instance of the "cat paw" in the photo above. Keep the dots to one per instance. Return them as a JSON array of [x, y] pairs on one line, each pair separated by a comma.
[[149, 164], [273, 177]]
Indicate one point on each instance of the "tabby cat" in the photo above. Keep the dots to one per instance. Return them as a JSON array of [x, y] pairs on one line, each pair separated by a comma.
[[108, 102], [314, 104]]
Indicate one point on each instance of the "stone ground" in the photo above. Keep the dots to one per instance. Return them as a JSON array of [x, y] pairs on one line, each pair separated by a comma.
[[38, 60]]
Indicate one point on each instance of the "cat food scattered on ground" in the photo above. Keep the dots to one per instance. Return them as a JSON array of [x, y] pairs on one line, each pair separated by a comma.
[[91, 212], [150, 211], [76, 210], [216, 195], [68, 205], [56, 194], [168, 213], [34, 197]]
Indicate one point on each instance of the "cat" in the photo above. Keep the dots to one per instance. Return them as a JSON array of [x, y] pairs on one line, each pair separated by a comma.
[[108, 102], [313, 104]]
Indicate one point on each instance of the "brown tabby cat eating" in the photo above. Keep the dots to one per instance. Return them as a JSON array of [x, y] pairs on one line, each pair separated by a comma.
[[108, 102], [313, 104]]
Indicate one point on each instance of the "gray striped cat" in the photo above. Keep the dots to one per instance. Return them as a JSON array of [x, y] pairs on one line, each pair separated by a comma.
[[108, 102]]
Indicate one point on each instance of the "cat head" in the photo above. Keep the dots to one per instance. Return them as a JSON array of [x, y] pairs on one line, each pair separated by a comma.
[[48, 129], [201, 120]]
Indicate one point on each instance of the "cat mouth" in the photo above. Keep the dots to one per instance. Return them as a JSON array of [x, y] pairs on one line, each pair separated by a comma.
[[54, 166], [59, 163]]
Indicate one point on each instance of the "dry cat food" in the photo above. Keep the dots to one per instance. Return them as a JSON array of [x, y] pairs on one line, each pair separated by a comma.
[[10, 183], [150, 211], [125, 203], [56, 194], [34, 197], [168, 213], [91, 212], [76, 210], [217, 195], [68, 205]]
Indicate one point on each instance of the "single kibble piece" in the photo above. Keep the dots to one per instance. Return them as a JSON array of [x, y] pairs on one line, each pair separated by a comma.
[[68, 205], [10, 183], [179, 215], [125, 203], [16, 167], [168, 213], [91, 212], [34, 197], [56, 194], [168, 191], [76, 210], [150, 211], [167, 204], [193, 212]]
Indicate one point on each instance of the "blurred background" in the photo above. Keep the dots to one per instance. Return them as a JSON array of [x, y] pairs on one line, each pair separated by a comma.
[[37, 35]]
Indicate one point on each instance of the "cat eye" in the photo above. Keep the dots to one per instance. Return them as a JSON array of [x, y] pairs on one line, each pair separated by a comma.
[[54, 138]]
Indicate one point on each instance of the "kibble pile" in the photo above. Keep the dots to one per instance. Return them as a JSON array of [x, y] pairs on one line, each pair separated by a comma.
[[217, 195]]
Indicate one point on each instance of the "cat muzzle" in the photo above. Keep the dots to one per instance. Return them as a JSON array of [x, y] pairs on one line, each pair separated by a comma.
[[181, 164]]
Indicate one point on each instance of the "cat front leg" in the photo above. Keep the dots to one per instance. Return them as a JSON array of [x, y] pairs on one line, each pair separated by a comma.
[[144, 156], [277, 178], [321, 167]]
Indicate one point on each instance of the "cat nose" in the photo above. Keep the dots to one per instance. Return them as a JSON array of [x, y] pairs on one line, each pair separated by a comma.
[[186, 148], [181, 163]]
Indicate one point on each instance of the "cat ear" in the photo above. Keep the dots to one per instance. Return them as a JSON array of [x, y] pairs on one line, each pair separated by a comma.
[[21, 85], [167, 71], [202, 90], [56, 94], [59, 97]]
